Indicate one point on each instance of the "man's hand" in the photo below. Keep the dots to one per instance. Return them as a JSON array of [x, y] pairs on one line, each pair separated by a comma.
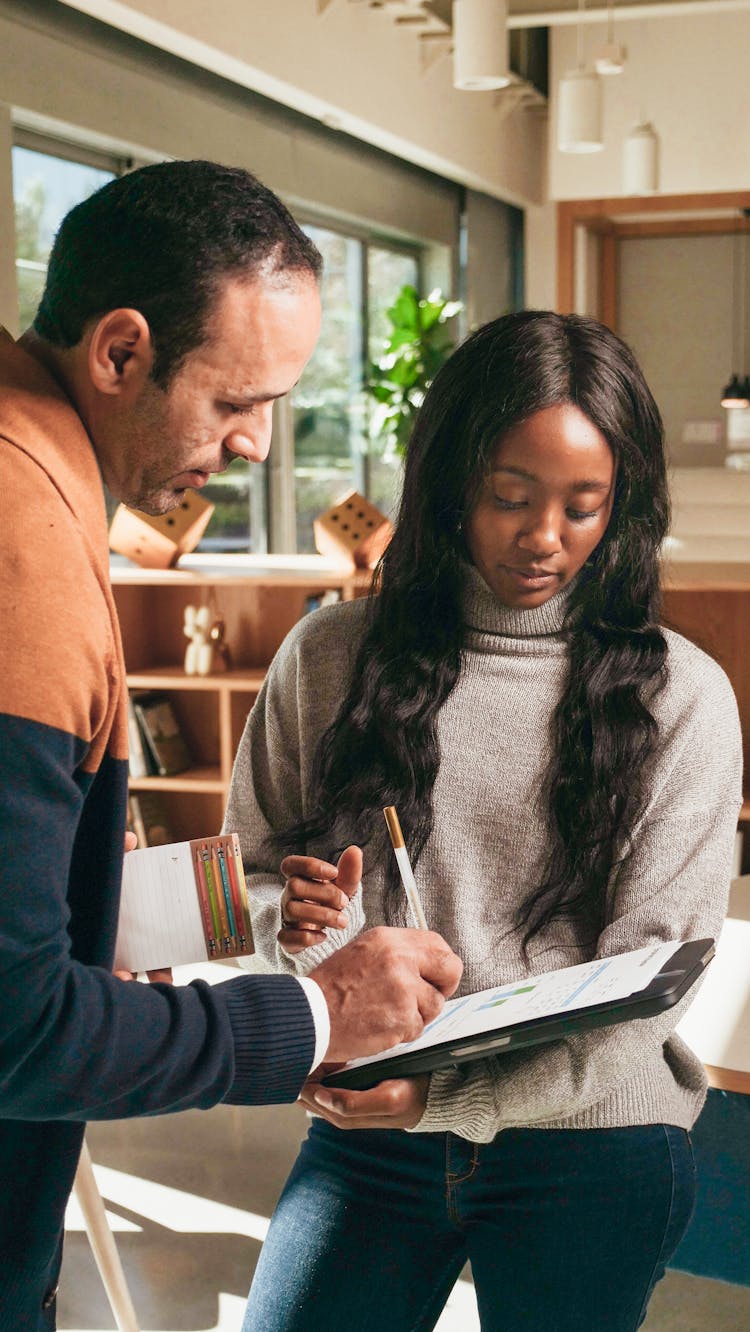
[[396, 1103], [315, 897], [383, 988]]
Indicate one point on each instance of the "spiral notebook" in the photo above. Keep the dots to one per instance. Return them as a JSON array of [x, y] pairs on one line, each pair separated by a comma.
[[182, 903]]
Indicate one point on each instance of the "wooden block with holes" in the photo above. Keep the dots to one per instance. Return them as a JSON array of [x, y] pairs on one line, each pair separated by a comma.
[[353, 532], [157, 542]]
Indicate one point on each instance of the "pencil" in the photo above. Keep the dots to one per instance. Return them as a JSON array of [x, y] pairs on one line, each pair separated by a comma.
[[405, 869]]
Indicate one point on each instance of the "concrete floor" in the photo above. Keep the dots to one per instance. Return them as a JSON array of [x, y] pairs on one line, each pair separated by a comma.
[[178, 1192]]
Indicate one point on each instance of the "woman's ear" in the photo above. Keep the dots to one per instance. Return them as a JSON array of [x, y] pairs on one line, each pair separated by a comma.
[[120, 352]]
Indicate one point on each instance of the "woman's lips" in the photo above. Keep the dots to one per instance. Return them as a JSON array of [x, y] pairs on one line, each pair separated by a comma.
[[532, 579]]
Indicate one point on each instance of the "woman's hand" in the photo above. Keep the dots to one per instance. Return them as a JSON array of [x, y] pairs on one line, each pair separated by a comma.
[[316, 896], [397, 1103]]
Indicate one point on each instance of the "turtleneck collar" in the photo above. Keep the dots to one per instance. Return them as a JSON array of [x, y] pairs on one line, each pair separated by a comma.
[[484, 614]]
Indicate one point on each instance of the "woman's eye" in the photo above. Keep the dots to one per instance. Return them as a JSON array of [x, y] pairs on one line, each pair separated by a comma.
[[580, 515], [508, 504]]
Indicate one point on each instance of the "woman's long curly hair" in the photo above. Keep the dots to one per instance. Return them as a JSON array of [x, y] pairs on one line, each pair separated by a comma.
[[382, 749]]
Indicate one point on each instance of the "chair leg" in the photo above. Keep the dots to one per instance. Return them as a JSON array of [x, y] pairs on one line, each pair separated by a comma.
[[102, 1244]]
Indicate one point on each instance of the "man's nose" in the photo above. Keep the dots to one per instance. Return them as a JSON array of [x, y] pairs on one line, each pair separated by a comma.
[[252, 441]]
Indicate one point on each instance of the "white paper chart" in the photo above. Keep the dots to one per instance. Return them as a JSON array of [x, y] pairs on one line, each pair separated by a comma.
[[538, 996]]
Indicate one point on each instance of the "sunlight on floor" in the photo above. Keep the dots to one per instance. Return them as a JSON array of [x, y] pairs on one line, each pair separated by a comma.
[[186, 1213]]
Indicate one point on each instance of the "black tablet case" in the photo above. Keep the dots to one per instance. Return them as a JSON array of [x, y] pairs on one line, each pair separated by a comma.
[[683, 969]]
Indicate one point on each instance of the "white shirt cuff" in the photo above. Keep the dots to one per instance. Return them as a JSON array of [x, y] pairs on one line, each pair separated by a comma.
[[322, 1021]]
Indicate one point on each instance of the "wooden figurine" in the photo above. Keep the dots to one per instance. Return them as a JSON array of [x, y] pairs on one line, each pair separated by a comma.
[[158, 541], [353, 532]]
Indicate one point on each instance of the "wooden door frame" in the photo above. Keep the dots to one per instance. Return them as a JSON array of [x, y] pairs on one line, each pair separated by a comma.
[[604, 218]]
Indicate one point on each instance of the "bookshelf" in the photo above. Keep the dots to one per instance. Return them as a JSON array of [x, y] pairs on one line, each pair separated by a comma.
[[259, 599]]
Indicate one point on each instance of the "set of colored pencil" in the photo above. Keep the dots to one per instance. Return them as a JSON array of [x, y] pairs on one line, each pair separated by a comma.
[[222, 895]]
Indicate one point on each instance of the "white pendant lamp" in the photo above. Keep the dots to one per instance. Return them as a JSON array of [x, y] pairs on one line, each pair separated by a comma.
[[480, 45], [579, 112], [579, 105], [640, 160]]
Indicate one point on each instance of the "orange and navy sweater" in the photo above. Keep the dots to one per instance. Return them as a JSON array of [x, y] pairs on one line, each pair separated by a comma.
[[76, 1043]]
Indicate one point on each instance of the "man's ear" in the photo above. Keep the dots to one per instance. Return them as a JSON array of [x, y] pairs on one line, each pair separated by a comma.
[[120, 353]]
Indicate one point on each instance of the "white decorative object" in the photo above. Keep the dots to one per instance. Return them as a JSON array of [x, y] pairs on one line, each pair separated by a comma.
[[610, 58], [640, 160], [199, 652], [480, 45], [579, 112]]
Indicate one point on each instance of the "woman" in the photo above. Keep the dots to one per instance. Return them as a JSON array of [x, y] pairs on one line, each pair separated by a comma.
[[567, 775]]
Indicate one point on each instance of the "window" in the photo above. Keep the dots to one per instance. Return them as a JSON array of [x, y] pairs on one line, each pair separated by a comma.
[[320, 448], [320, 436], [47, 182], [331, 453]]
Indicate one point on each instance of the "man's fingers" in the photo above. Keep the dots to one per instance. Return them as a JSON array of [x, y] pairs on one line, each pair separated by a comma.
[[349, 870], [437, 962]]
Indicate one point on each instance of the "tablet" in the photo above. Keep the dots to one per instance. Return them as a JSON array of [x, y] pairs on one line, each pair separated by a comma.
[[540, 1008]]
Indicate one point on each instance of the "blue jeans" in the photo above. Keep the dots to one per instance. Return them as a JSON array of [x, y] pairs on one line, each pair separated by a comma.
[[566, 1230]]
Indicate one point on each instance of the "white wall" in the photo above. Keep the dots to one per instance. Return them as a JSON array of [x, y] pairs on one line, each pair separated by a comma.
[[675, 311], [351, 66], [689, 76]]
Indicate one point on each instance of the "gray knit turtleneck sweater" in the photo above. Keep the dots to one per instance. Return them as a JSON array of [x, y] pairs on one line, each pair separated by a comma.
[[487, 851]]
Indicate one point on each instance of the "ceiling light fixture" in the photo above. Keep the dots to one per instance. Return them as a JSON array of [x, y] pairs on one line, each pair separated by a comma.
[[579, 104], [610, 58], [480, 45], [640, 160]]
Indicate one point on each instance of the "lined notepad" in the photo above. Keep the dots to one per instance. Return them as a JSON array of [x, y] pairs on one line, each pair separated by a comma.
[[186, 902]]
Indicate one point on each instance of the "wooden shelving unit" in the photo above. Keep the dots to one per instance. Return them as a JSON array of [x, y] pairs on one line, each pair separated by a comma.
[[709, 602], [259, 600]]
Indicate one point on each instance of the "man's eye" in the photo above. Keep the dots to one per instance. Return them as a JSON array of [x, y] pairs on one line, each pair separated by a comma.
[[239, 411]]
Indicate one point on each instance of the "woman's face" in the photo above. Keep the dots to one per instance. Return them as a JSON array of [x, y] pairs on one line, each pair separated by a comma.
[[544, 506]]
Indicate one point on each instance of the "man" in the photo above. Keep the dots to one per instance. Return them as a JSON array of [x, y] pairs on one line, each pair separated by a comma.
[[181, 302]]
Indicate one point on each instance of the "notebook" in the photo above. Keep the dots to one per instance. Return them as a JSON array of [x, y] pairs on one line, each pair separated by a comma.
[[181, 903]]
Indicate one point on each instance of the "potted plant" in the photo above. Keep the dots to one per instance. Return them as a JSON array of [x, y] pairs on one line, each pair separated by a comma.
[[420, 341]]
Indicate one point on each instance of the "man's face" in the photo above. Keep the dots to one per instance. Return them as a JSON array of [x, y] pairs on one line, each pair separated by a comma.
[[154, 444]]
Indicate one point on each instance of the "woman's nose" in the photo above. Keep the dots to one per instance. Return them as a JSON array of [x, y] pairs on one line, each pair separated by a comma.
[[541, 536]]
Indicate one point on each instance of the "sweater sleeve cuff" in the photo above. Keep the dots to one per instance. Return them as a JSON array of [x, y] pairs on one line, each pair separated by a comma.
[[335, 939], [274, 1038], [460, 1101]]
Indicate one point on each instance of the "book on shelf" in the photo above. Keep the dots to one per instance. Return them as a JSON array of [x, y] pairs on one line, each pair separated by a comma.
[[148, 819], [318, 599], [162, 737], [139, 762], [181, 903]]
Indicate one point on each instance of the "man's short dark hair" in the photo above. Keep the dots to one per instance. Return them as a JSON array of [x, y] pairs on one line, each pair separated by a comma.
[[160, 240]]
